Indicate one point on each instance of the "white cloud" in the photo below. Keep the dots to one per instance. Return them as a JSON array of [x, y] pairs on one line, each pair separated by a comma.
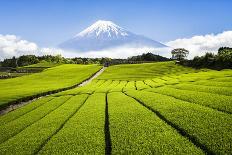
[[199, 45], [11, 45], [120, 52]]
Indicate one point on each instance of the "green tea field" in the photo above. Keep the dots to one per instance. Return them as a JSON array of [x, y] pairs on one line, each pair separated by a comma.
[[51, 79], [150, 108]]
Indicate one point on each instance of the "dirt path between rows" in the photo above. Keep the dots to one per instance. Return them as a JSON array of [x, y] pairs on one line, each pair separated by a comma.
[[93, 77], [18, 105]]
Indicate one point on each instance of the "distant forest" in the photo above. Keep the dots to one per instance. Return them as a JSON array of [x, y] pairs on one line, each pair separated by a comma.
[[221, 60], [26, 60]]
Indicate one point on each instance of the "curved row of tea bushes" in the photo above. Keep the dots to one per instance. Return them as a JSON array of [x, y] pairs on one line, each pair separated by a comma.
[[130, 85], [23, 110], [84, 132], [136, 130], [14, 127], [208, 127], [141, 85], [103, 87], [219, 102], [223, 79], [119, 87], [213, 83], [208, 89], [31, 139]]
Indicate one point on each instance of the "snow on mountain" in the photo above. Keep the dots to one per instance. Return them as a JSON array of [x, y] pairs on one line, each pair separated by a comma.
[[106, 34], [103, 29]]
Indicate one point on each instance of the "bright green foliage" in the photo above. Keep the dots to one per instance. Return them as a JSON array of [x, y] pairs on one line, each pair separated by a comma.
[[30, 140], [112, 85], [204, 75], [210, 127], [224, 79], [178, 110], [130, 85], [214, 83], [154, 83], [220, 102], [159, 81], [202, 88], [170, 80], [22, 111], [104, 87], [51, 79], [88, 89], [119, 87], [143, 71], [107, 86], [84, 132], [141, 85], [14, 127], [91, 87], [136, 130]]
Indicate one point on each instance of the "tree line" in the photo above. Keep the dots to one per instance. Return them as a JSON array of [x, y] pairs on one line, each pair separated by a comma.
[[26, 60], [221, 60]]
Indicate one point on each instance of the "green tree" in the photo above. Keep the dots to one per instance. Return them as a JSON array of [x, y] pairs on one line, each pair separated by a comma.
[[224, 57], [105, 61], [27, 60], [58, 58], [179, 53]]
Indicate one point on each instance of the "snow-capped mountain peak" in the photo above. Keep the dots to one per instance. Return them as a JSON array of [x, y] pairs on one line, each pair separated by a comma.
[[106, 34], [103, 28]]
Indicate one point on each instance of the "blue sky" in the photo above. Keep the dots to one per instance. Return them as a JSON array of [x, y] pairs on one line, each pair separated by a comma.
[[49, 22]]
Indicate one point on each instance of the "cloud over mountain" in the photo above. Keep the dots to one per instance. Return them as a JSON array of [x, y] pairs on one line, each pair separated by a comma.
[[11, 45]]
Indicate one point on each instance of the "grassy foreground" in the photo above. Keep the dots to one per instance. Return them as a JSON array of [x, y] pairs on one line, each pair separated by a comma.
[[158, 108], [50, 79]]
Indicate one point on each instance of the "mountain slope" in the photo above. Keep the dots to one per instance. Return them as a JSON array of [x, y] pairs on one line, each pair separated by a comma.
[[106, 34]]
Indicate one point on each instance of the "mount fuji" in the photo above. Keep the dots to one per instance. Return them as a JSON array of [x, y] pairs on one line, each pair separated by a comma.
[[105, 34]]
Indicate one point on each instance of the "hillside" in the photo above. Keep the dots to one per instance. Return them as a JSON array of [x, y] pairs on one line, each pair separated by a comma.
[[155, 108], [144, 71], [48, 80]]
